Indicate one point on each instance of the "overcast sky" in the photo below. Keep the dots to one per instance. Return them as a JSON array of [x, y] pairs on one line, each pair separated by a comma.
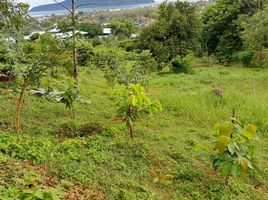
[[33, 3]]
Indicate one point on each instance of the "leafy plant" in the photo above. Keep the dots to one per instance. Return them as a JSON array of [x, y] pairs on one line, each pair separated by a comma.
[[233, 152], [130, 67], [68, 98], [29, 187], [46, 57], [133, 104], [245, 57], [182, 64], [85, 53]]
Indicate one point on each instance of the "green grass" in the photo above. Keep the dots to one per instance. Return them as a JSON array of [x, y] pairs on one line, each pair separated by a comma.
[[120, 168]]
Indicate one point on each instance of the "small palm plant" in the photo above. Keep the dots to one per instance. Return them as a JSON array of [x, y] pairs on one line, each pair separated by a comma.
[[68, 98], [133, 104]]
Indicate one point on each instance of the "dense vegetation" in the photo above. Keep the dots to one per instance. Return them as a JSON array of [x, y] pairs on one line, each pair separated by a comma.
[[178, 112]]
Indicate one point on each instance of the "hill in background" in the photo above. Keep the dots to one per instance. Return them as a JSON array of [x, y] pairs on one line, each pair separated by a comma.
[[93, 4]]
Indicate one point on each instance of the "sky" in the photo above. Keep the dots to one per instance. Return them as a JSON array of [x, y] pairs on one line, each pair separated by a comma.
[[33, 3]]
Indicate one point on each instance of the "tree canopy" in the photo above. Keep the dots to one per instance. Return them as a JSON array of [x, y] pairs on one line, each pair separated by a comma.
[[222, 29], [12, 14], [175, 32], [122, 27], [255, 32]]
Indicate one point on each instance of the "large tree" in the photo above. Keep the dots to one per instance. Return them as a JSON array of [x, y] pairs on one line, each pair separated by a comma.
[[221, 35], [175, 32], [255, 34]]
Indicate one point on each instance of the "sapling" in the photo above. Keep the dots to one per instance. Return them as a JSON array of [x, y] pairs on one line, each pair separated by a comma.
[[68, 98], [30, 77], [133, 104], [46, 58], [233, 149]]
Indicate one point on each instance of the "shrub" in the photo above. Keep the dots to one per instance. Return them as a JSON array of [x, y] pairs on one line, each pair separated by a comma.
[[85, 53], [127, 44], [182, 64], [261, 58], [245, 57]]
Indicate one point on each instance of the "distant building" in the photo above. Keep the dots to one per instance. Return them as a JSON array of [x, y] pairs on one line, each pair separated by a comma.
[[107, 31], [28, 37], [70, 34], [54, 30], [133, 36], [56, 33]]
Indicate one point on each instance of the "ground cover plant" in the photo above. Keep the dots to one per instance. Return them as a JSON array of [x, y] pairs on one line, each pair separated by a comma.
[[111, 166]]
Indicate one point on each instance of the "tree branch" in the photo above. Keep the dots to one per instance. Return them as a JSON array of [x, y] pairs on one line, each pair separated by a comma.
[[56, 1]]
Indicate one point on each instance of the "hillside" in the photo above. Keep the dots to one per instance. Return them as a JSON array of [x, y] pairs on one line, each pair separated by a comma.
[[93, 4], [110, 165]]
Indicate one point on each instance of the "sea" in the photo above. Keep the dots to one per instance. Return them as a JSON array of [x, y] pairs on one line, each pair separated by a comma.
[[89, 10]]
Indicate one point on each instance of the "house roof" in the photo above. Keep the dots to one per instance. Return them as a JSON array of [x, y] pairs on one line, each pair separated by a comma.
[[107, 31]]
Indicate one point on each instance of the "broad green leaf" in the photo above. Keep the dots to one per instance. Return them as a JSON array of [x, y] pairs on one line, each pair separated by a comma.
[[224, 128], [134, 100], [236, 169], [231, 148], [247, 134], [244, 164], [253, 128], [222, 143], [226, 169]]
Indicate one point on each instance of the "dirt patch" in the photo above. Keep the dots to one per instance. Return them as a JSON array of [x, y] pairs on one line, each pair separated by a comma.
[[78, 192], [71, 130]]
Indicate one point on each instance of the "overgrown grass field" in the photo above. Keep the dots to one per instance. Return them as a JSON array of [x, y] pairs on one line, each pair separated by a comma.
[[159, 163]]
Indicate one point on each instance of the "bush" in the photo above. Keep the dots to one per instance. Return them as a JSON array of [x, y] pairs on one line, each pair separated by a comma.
[[182, 65], [127, 44], [85, 53], [245, 57], [261, 58]]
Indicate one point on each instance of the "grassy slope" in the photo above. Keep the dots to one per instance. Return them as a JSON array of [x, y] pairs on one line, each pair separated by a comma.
[[121, 169]]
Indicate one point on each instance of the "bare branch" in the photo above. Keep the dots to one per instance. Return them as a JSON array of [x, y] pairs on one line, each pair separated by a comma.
[[56, 1]]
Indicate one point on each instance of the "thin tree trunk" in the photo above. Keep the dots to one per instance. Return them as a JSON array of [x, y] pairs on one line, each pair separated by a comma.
[[131, 131], [72, 112], [17, 109], [227, 179], [75, 66]]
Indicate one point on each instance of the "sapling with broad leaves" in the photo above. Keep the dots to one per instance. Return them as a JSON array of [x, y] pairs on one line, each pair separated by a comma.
[[233, 149], [68, 98], [133, 104]]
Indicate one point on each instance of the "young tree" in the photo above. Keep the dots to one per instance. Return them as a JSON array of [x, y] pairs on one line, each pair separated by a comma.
[[72, 11], [74, 17], [47, 57], [233, 150], [68, 98], [175, 32], [133, 104]]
